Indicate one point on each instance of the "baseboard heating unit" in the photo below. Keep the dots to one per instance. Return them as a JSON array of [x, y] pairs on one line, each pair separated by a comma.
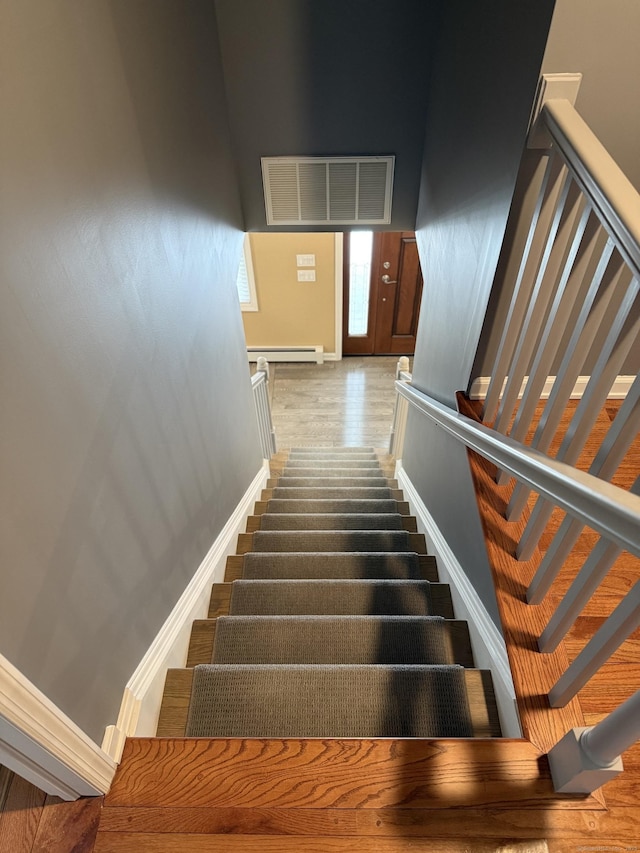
[[287, 353]]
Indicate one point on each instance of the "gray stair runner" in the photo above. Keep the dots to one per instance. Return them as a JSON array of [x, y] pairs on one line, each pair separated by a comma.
[[331, 540], [321, 464], [320, 505], [331, 597], [330, 631], [332, 492], [332, 482], [329, 701], [341, 639], [335, 565], [331, 521]]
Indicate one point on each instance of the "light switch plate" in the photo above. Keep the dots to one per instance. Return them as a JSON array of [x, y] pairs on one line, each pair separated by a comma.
[[551, 86], [306, 275], [306, 260]]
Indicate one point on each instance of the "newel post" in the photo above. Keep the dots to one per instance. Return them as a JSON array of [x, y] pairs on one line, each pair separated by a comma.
[[586, 758], [262, 365]]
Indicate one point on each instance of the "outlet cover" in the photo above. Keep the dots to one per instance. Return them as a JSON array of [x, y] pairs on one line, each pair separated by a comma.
[[306, 275], [551, 86], [306, 260]]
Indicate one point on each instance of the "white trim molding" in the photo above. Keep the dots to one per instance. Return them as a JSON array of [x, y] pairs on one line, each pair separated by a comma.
[[41, 744], [619, 389], [489, 649], [142, 697]]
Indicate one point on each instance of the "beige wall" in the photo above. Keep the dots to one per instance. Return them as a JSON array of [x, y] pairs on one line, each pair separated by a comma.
[[291, 312], [127, 430], [600, 39]]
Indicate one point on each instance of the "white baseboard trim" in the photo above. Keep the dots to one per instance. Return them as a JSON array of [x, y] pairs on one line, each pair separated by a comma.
[[41, 744], [286, 353], [619, 390], [333, 356], [489, 649], [138, 716]]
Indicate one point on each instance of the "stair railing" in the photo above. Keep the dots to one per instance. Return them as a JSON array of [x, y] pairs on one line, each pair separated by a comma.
[[400, 411], [579, 763], [260, 389], [574, 316]]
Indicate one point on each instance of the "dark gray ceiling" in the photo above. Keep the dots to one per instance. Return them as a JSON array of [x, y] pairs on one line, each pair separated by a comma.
[[327, 77]]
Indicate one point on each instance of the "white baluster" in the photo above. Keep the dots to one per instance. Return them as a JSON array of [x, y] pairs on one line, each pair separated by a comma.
[[577, 596], [604, 284], [615, 630], [586, 758], [552, 181], [543, 289], [573, 290], [618, 343]]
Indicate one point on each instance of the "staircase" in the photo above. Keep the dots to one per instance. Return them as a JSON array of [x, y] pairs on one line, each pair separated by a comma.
[[331, 622]]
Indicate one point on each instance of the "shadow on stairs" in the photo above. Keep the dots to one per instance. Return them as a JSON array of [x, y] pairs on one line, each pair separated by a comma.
[[330, 626]]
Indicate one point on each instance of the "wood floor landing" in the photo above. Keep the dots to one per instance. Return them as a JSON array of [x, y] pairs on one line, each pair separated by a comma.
[[440, 795]]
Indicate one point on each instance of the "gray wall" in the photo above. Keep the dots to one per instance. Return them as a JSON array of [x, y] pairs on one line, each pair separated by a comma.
[[487, 64], [126, 431], [327, 77]]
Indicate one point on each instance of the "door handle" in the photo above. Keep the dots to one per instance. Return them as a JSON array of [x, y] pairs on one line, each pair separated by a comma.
[[387, 280]]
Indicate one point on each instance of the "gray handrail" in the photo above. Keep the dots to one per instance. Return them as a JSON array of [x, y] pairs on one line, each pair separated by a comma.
[[598, 176], [607, 509]]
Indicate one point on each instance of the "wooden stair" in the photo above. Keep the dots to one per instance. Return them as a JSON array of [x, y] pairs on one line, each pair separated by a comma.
[[178, 689], [237, 794]]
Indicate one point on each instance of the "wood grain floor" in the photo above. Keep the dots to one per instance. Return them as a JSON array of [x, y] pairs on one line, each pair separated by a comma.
[[335, 404], [32, 822]]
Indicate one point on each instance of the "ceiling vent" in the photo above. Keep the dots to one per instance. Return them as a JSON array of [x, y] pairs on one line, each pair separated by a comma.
[[328, 190]]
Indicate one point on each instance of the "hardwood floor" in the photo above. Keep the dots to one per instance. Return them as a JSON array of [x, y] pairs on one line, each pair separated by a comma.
[[338, 403], [32, 822]]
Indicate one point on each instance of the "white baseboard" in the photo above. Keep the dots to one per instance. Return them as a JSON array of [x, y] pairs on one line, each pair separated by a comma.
[[140, 706], [302, 353], [41, 744], [619, 390], [489, 649]]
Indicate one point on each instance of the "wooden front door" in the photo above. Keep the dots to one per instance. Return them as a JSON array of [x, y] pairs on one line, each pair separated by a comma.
[[395, 290]]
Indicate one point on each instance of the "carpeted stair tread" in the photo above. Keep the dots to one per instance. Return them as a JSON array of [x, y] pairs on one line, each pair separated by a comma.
[[331, 540], [312, 458], [342, 472], [332, 493], [332, 565], [344, 505], [341, 640], [331, 521], [329, 701], [330, 597], [321, 464], [332, 482], [338, 451]]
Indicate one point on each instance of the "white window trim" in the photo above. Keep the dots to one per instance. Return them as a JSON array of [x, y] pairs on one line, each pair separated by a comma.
[[252, 304]]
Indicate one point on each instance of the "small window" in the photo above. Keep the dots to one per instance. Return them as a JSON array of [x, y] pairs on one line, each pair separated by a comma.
[[245, 282], [360, 254]]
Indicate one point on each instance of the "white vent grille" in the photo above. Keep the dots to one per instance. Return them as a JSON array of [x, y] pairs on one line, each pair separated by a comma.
[[328, 190]]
